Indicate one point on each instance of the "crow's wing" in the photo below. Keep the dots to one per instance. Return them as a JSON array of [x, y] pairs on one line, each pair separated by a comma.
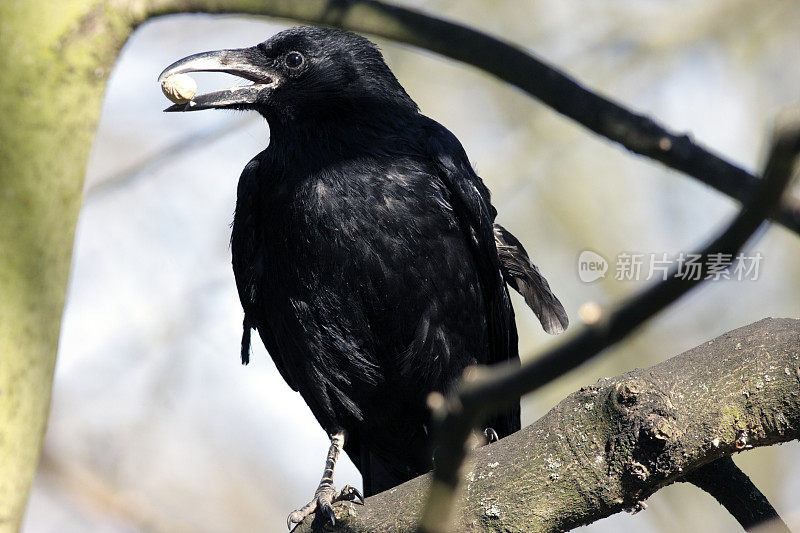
[[248, 266], [520, 273], [471, 203]]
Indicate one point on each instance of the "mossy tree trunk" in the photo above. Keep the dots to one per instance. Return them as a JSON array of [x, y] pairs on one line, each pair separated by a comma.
[[54, 58]]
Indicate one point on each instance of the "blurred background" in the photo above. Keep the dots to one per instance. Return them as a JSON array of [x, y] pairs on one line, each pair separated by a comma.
[[155, 426]]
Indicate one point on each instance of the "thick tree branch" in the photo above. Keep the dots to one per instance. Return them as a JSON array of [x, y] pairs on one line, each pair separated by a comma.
[[637, 133], [734, 490], [609, 446]]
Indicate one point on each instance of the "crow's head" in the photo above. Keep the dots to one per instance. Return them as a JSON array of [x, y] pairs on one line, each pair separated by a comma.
[[301, 73]]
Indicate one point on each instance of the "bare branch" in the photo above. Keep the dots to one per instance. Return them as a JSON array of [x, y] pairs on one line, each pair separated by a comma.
[[609, 446], [637, 133], [733, 490], [150, 163]]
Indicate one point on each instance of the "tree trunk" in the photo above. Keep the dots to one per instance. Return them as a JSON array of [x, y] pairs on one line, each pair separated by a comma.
[[55, 59]]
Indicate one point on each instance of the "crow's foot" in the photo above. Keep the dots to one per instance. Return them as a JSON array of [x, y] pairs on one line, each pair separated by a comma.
[[322, 504], [491, 435], [326, 494]]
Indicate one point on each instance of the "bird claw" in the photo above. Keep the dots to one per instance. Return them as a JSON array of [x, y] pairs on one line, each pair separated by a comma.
[[322, 504], [327, 511], [296, 517], [349, 494]]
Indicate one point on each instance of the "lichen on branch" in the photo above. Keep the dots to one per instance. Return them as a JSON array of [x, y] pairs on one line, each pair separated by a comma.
[[610, 445]]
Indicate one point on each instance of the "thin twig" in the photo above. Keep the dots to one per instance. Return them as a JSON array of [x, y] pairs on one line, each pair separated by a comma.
[[734, 490], [485, 391], [638, 133], [150, 163]]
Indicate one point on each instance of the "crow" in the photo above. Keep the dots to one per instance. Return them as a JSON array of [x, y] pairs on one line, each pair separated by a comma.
[[365, 251]]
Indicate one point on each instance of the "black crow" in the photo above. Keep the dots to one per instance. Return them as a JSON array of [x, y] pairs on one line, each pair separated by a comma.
[[365, 250]]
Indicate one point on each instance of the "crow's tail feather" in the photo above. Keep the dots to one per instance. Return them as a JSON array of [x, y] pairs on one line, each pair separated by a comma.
[[520, 273]]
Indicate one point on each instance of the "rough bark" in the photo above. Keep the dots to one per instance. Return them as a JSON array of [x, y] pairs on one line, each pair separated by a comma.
[[609, 446]]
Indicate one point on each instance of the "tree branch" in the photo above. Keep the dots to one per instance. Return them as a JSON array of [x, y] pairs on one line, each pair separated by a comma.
[[609, 446], [637, 133], [734, 490], [484, 391]]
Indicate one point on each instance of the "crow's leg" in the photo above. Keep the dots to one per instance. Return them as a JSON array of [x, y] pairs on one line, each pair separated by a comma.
[[326, 494]]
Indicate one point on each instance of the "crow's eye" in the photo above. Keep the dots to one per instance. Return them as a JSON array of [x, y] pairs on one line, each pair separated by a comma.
[[294, 59]]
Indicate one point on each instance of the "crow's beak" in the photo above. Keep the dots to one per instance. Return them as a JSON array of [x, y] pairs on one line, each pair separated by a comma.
[[246, 63]]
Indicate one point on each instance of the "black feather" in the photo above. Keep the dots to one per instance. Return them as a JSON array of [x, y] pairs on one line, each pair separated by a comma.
[[245, 342], [520, 273]]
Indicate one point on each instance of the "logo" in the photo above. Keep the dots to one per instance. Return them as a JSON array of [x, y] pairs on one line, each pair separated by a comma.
[[591, 266]]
